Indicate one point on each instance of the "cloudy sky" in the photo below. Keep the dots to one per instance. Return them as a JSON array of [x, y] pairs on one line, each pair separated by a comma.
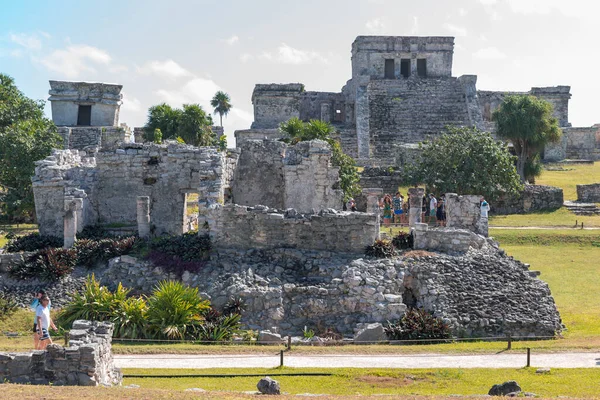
[[184, 51]]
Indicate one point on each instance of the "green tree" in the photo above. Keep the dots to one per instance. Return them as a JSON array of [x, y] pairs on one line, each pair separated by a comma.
[[190, 123], [26, 136], [527, 122], [299, 131], [194, 126], [222, 104], [466, 161]]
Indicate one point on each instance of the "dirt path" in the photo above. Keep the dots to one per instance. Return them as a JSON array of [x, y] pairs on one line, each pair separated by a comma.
[[556, 360]]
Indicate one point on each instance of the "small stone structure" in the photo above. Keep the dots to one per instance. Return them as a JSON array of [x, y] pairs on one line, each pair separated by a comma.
[[446, 240], [588, 193], [281, 176], [259, 227], [533, 198], [415, 199], [464, 212], [91, 137], [88, 360], [85, 103], [582, 143]]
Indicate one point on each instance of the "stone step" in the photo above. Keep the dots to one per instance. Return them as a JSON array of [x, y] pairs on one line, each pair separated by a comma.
[[582, 208]]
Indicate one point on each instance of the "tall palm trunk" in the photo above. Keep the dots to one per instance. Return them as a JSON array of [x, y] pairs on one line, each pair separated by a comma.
[[221, 119]]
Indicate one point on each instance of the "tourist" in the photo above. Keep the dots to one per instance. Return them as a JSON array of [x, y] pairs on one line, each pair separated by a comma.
[[424, 210], [440, 213], [405, 207], [387, 209], [44, 322], [34, 304], [351, 205], [485, 208], [433, 207], [397, 202]]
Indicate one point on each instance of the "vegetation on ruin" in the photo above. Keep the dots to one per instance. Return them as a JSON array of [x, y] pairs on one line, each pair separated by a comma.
[[466, 161], [417, 324], [52, 263], [26, 136], [222, 104], [178, 254], [299, 131], [173, 311], [527, 122], [32, 242], [190, 123], [7, 306]]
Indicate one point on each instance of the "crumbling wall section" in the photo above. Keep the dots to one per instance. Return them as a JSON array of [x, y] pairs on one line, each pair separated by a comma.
[[280, 176], [533, 198], [464, 212], [589, 193], [88, 138], [88, 361], [446, 240], [275, 103], [260, 227]]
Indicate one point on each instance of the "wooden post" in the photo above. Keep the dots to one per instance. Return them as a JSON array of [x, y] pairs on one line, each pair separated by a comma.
[[66, 337], [581, 224], [509, 343], [281, 358], [528, 357], [289, 343]]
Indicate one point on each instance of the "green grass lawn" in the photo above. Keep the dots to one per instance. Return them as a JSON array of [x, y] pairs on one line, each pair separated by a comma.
[[407, 382], [573, 175], [17, 229], [558, 218]]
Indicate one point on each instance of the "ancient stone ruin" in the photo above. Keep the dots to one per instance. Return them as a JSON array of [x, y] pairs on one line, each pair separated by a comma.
[[273, 210], [87, 361], [402, 92]]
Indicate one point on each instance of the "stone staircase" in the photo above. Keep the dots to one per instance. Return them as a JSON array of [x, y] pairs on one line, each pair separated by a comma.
[[579, 208]]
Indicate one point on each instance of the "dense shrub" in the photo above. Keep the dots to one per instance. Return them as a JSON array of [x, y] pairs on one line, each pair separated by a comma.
[[403, 241], [92, 252], [175, 311], [172, 311], [380, 249], [7, 306], [180, 253], [33, 242], [94, 232], [47, 264], [417, 324]]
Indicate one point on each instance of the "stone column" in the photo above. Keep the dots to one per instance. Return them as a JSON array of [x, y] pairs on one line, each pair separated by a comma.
[[326, 112], [70, 222], [79, 213], [416, 205], [373, 195], [143, 216]]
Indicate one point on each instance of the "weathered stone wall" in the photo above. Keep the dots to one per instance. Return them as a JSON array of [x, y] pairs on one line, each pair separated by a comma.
[[413, 110], [274, 104], [280, 176], [112, 181], [464, 212], [244, 227], [242, 136], [104, 99], [589, 193], [446, 240], [533, 198], [88, 361], [575, 144], [88, 138], [387, 179]]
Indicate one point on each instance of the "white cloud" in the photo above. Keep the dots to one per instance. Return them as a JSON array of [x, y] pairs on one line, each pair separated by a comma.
[[584, 9], [31, 42], [288, 55], [455, 30], [131, 104], [115, 69], [489, 53], [232, 40], [167, 69], [75, 59], [375, 25], [246, 57], [196, 90], [488, 2], [462, 12]]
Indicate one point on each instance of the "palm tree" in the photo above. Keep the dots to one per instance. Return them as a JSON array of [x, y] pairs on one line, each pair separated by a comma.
[[222, 104]]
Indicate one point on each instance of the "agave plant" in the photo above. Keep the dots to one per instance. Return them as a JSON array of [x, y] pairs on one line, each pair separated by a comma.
[[94, 303], [129, 318], [175, 310]]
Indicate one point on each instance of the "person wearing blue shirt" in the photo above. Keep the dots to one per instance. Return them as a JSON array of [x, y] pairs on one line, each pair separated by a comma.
[[34, 304]]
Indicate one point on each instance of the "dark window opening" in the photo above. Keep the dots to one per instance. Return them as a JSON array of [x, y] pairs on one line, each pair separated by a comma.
[[84, 116], [405, 68], [422, 67], [389, 69]]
